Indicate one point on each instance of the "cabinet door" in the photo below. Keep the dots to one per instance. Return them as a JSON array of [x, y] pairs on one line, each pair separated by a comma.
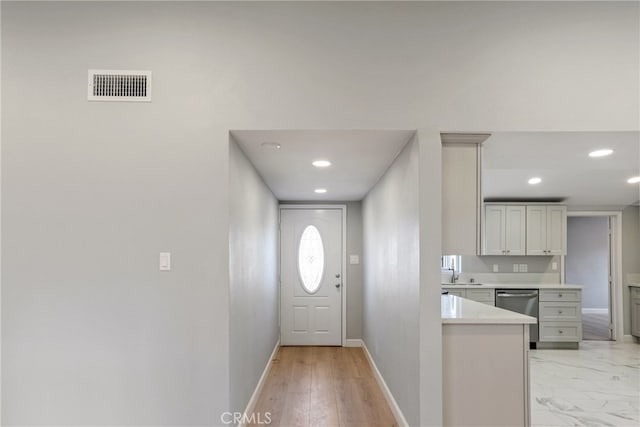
[[494, 227], [556, 230], [460, 199], [635, 317], [515, 230], [536, 230]]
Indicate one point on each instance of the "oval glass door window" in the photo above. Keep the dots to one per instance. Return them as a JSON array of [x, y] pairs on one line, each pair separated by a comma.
[[311, 259]]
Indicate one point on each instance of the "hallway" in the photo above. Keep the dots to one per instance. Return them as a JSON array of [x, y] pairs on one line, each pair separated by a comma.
[[323, 386]]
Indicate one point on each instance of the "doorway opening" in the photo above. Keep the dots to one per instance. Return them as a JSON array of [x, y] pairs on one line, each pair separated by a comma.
[[592, 261]]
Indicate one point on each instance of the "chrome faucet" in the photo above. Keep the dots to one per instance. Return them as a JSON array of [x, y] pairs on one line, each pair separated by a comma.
[[453, 271]]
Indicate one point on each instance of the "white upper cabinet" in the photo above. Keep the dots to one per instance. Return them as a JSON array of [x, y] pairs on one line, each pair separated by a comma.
[[557, 230], [494, 228], [515, 233], [536, 230], [546, 230], [524, 230], [461, 193], [504, 230]]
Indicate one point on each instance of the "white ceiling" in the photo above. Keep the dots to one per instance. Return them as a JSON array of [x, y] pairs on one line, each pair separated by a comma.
[[358, 159], [561, 160]]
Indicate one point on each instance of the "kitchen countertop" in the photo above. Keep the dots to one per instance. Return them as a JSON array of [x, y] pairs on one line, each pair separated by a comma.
[[512, 286], [464, 311]]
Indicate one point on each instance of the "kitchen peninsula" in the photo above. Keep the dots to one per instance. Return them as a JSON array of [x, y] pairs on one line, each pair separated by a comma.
[[485, 364]]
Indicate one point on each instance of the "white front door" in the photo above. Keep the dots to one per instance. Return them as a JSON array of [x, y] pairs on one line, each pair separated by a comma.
[[311, 276]]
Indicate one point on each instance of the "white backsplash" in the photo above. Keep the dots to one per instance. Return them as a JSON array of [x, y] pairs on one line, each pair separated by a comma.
[[524, 278]]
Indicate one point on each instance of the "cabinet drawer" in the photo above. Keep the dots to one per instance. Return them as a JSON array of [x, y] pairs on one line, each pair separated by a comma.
[[560, 331], [481, 295], [456, 292], [572, 295], [560, 311]]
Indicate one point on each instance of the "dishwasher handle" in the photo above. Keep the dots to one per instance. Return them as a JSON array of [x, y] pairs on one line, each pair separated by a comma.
[[516, 295]]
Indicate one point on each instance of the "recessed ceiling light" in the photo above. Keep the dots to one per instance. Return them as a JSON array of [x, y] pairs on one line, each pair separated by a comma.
[[601, 153], [273, 145], [634, 180], [320, 190], [534, 181], [321, 163]]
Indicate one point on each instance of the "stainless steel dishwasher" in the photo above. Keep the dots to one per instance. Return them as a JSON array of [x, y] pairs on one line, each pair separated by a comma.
[[523, 301]]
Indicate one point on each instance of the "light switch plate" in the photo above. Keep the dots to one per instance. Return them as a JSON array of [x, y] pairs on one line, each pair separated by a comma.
[[496, 268], [516, 268], [165, 261], [554, 266], [354, 259], [524, 268]]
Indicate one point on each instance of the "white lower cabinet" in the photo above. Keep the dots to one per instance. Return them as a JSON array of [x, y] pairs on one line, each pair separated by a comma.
[[485, 296], [560, 315], [635, 311], [560, 311], [560, 331], [457, 292]]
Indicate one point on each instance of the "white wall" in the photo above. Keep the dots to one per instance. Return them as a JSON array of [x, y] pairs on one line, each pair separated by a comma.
[[92, 192], [630, 257], [392, 279], [253, 274], [354, 271], [587, 261]]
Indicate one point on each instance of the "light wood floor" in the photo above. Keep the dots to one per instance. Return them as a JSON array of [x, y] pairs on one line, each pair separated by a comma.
[[323, 387], [595, 326]]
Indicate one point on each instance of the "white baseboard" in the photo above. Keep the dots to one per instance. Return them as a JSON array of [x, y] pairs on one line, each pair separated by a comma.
[[352, 343], [595, 310], [395, 409], [627, 338], [263, 378]]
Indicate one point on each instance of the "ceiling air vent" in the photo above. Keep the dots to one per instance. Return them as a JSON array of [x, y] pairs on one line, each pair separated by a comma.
[[119, 85]]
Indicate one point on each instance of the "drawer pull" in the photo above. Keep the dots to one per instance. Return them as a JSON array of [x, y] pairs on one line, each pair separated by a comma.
[[559, 295], [560, 331], [559, 311]]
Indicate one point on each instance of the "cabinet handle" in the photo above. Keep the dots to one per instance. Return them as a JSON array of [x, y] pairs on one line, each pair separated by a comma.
[[560, 331], [559, 311], [559, 295]]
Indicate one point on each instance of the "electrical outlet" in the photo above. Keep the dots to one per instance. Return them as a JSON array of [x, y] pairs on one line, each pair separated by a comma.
[[516, 268], [554, 266], [496, 268], [524, 268]]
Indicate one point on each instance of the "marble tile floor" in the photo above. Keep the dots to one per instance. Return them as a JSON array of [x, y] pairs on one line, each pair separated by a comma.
[[597, 385]]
